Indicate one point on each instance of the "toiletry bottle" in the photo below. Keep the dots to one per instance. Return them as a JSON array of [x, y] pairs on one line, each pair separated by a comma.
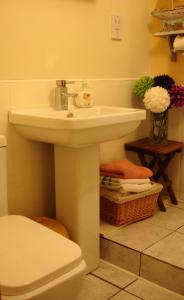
[[84, 98]]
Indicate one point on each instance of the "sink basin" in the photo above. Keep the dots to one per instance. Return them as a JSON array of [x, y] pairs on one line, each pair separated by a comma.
[[86, 126]]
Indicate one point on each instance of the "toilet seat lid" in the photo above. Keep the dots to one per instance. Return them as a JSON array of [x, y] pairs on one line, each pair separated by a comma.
[[32, 255]]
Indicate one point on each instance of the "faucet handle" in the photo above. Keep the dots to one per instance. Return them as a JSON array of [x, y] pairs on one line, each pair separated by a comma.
[[63, 83]]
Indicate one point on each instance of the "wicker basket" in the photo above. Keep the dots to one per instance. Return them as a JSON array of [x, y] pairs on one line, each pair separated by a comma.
[[128, 209]]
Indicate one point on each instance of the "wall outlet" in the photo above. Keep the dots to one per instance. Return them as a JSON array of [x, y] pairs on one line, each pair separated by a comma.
[[116, 27]]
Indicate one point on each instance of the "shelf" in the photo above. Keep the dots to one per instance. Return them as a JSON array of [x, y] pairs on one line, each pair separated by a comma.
[[167, 33], [171, 37]]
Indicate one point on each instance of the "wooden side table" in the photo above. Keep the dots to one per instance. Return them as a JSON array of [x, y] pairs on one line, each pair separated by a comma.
[[160, 155]]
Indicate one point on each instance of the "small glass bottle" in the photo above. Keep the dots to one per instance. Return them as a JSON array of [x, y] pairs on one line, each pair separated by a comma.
[[84, 98]]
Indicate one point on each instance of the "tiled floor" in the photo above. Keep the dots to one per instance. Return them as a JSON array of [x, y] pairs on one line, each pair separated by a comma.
[[110, 282], [152, 248]]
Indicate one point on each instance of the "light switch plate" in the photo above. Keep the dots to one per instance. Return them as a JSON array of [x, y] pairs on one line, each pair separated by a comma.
[[116, 27]]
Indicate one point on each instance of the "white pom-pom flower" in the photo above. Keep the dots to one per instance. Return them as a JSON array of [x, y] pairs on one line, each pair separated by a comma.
[[157, 99]]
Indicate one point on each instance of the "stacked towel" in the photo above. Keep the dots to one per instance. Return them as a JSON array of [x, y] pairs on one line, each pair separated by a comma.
[[116, 183], [125, 185], [125, 177]]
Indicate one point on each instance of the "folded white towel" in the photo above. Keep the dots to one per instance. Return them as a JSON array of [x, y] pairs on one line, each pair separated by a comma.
[[135, 181], [110, 181], [178, 43], [136, 188], [130, 184]]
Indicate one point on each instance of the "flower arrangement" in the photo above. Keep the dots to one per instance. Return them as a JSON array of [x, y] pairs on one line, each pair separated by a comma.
[[159, 94]]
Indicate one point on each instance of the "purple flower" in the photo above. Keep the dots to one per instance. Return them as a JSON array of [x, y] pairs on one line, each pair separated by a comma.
[[177, 96]]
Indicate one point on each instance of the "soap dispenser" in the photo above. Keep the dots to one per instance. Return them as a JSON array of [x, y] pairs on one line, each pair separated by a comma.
[[84, 98]]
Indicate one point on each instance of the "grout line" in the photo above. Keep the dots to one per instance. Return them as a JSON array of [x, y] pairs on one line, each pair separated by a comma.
[[160, 226], [113, 295], [107, 281], [140, 264], [164, 227], [130, 283], [178, 228], [157, 241], [115, 229], [134, 295]]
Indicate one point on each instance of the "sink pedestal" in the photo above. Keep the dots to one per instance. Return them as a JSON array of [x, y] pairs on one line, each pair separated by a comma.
[[77, 197]]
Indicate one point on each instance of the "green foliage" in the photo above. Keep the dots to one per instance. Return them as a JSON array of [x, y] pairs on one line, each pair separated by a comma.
[[142, 85]]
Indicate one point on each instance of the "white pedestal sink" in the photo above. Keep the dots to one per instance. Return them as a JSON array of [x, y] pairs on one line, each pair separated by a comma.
[[76, 142]]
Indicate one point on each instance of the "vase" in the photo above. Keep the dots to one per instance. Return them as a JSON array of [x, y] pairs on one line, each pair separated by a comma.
[[159, 127]]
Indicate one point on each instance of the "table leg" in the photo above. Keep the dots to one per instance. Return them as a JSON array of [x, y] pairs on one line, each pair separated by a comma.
[[167, 180], [142, 159], [151, 165], [165, 163], [161, 204], [172, 195]]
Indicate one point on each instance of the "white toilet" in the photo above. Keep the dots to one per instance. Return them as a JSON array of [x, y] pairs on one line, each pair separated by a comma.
[[35, 262]]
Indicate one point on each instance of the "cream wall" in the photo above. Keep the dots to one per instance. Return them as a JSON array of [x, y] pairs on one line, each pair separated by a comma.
[[49, 39], [160, 63], [71, 38]]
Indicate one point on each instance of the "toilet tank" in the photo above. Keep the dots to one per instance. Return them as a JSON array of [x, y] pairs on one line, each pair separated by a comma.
[[3, 179]]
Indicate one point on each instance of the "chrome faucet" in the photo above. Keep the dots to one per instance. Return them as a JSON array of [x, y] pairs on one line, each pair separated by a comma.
[[62, 95]]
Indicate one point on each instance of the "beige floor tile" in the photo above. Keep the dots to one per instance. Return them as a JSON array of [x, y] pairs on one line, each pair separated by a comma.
[[149, 291], [106, 228], [172, 219], [120, 256], [181, 230], [170, 250], [168, 202], [139, 235], [114, 275], [180, 204], [96, 289], [125, 296], [163, 274]]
